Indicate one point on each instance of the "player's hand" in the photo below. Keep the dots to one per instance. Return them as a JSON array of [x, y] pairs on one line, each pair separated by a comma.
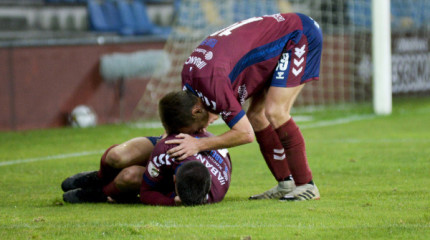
[[187, 146]]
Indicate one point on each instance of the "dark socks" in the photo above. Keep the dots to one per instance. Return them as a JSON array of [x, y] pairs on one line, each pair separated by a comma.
[[294, 144], [273, 153]]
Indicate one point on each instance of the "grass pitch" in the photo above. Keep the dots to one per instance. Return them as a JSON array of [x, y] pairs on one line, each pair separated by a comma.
[[372, 173]]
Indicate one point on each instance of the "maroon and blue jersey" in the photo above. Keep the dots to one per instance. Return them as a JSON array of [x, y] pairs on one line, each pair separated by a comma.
[[231, 65], [158, 187]]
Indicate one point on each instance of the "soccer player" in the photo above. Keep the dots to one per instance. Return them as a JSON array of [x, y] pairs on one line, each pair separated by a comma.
[[126, 169], [157, 185], [268, 58]]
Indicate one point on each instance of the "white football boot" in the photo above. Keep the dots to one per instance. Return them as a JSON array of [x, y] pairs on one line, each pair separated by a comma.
[[302, 193], [283, 188]]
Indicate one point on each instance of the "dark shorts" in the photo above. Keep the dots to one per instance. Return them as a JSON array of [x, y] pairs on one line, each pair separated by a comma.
[[300, 62], [154, 140]]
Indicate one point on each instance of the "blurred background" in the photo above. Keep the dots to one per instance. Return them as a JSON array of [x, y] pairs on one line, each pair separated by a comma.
[[120, 56]]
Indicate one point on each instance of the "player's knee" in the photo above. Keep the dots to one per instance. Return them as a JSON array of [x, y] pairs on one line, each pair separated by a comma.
[[276, 116], [256, 118], [114, 158], [130, 176]]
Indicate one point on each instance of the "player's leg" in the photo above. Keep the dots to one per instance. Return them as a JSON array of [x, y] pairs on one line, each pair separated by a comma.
[[271, 149], [123, 189], [92, 179], [132, 152], [126, 186], [299, 63], [278, 106]]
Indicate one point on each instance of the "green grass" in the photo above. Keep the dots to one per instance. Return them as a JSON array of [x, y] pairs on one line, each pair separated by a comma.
[[373, 175]]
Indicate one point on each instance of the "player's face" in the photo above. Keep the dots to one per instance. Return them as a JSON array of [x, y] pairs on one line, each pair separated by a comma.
[[212, 117], [202, 118]]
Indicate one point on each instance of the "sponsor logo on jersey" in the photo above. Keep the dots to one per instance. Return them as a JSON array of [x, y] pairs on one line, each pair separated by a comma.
[[198, 62], [200, 50], [215, 171], [226, 173], [216, 156], [209, 55]]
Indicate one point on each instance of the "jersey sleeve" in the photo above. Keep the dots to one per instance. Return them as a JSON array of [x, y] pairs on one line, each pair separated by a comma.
[[231, 111]]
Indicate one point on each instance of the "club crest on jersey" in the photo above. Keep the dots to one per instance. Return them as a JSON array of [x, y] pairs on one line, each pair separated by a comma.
[[153, 170]]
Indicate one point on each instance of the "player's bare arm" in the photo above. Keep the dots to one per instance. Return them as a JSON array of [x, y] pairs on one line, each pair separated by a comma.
[[241, 133]]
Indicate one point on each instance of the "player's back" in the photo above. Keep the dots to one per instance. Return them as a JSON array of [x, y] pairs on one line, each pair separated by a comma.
[[226, 53]]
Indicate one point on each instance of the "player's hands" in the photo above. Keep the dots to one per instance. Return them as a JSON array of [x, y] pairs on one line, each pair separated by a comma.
[[187, 146]]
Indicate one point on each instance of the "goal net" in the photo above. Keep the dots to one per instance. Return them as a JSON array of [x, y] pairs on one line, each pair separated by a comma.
[[346, 65]]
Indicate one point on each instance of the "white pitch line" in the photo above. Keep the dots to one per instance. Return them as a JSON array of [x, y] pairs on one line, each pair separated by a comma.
[[60, 156], [338, 121], [152, 125]]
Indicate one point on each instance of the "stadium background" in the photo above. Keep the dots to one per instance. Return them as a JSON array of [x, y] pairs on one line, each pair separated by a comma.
[[50, 53]]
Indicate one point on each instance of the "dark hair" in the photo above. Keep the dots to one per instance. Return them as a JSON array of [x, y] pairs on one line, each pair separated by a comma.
[[175, 110], [193, 182]]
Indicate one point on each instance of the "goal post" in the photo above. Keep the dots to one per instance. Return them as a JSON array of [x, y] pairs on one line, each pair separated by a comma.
[[381, 55]]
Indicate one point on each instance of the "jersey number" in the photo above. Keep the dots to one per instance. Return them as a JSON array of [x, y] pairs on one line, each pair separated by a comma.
[[227, 31]]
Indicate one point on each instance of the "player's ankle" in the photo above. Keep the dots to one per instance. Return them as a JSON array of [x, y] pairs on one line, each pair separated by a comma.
[[289, 178]]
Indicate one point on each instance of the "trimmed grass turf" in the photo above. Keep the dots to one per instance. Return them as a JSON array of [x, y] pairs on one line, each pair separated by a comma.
[[373, 176]]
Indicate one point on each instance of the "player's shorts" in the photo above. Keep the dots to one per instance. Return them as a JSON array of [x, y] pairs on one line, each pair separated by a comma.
[[154, 140], [300, 59]]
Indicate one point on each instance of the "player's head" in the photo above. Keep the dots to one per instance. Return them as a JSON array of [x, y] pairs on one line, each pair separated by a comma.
[[182, 112], [193, 182]]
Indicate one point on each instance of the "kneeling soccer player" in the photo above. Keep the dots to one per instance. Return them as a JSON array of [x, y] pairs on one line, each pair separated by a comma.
[[127, 171]]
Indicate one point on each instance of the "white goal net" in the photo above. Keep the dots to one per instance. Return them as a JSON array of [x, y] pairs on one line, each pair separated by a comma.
[[346, 65]]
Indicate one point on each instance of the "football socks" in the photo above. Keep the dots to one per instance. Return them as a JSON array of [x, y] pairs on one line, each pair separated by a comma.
[[273, 153], [294, 144]]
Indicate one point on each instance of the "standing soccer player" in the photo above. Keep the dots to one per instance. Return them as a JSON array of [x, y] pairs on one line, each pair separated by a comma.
[[268, 58]]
